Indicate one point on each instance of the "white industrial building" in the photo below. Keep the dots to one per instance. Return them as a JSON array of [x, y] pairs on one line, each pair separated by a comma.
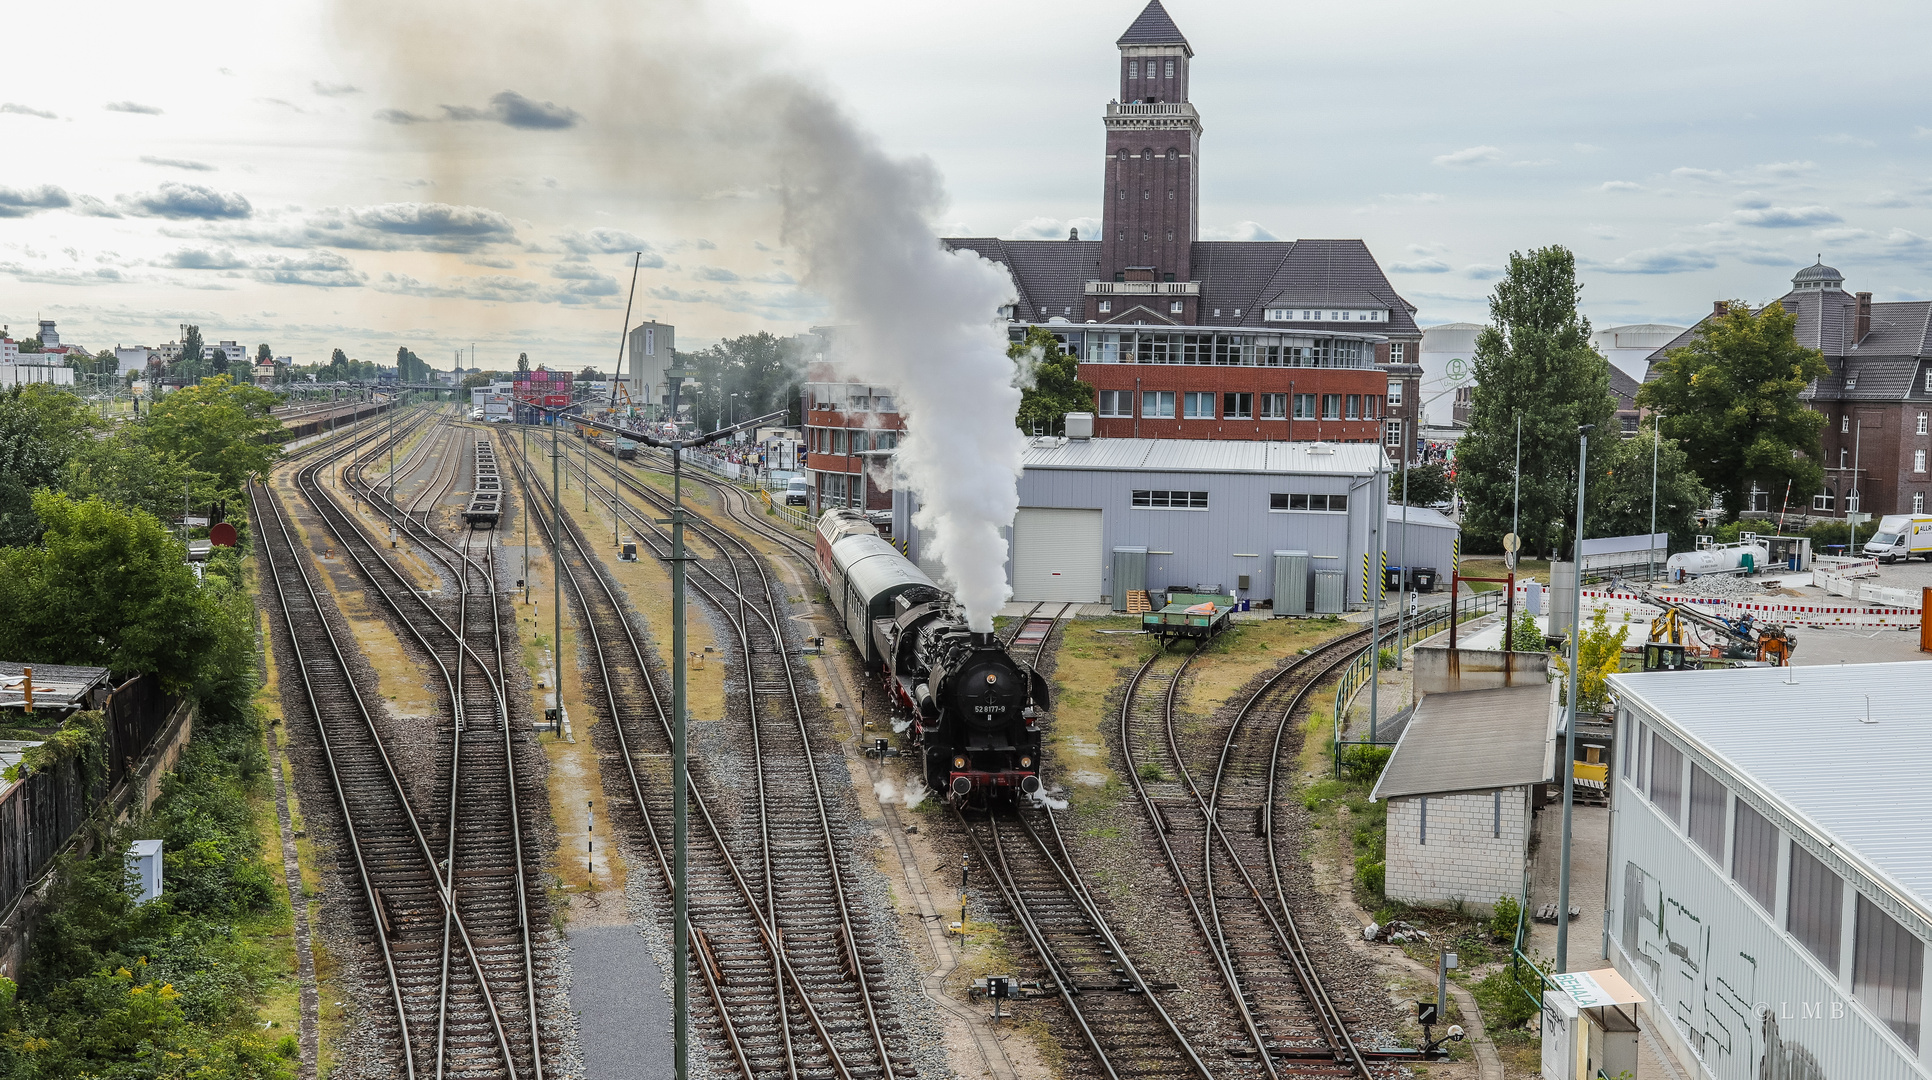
[[1770, 875], [1459, 788], [1276, 523]]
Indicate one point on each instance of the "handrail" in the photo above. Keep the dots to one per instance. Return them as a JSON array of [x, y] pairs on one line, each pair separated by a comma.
[[1356, 675], [785, 513]]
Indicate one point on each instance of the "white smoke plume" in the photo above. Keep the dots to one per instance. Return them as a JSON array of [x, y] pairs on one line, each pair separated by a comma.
[[686, 100], [910, 796]]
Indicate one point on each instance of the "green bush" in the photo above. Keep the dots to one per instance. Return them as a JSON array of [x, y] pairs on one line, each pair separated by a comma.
[[1508, 998], [1151, 770], [1363, 764], [1370, 876], [1502, 925]]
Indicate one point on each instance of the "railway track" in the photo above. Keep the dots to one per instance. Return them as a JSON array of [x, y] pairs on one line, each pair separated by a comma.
[[1215, 831], [791, 969], [448, 907]]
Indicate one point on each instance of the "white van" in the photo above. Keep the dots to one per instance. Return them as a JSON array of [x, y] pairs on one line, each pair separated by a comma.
[[1901, 536], [798, 492]]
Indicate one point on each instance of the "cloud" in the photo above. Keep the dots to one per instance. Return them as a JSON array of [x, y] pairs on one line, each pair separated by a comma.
[[323, 269], [20, 202], [1842, 139], [178, 163], [284, 103], [775, 277], [1788, 168], [584, 280], [1418, 197], [132, 107], [788, 304], [1602, 232], [512, 109], [701, 244], [1620, 185], [1752, 200], [1420, 266], [1712, 176], [1473, 155], [714, 273], [1045, 228], [323, 89], [1845, 235], [1537, 164], [1586, 148], [498, 288], [1245, 231], [182, 201], [400, 116], [602, 241], [1786, 217], [491, 261], [26, 110], [405, 226], [1888, 200], [106, 275], [1482, 272], [1675, 259], [200, 259]]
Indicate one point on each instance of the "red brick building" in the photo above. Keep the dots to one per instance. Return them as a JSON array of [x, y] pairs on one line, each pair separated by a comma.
[[850, 431], [1186, 338]]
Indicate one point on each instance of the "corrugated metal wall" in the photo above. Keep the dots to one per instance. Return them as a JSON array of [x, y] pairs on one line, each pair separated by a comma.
[[1744, 997]]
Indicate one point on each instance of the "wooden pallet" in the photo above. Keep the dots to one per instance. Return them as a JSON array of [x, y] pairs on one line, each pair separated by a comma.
[[1138, 602]]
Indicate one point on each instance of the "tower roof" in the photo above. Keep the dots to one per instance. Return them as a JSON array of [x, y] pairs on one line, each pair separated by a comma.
[[1154, 27], [1818, 276]]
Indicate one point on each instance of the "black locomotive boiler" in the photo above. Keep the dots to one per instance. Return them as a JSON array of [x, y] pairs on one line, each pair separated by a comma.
[[971, 710]]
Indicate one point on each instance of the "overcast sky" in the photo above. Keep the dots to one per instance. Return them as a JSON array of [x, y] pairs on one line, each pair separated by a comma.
[[250, 167]]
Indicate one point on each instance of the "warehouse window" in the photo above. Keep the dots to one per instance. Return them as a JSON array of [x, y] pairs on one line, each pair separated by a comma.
[[1171, 500], [1629, 725], [1496, 822], [1666, 777], [1754, 856], [1198, 404], [1354, 407], [1333, 504], [1643, 754], [1274, 406], [1707, 813], [1888, 971], [1422, 805], [1157, 404], [1304, 406], [1237, 406], [1116, 403], [1331, 406], [1815, 907]]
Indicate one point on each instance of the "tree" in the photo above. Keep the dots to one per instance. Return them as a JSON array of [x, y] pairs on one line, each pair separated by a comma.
[[475, 379], [1732, 397], [523, 361], [123, 468], [40, 428], [1533, 361], [190, 346], [1428, 484], [29, 344], [1619, 495], [410, 368], [107, 586], [1049, 381], [1599, 655], [218, 428], [263, 354]]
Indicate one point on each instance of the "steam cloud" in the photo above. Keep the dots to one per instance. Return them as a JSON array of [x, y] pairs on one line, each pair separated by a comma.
[[682, 99]]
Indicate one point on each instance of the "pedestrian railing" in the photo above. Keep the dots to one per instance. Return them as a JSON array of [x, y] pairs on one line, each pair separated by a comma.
[[1417, 627], [794, 518]]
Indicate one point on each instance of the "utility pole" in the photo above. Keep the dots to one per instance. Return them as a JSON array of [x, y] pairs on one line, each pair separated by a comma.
[[1516, 493], [1380, 519], [680, 836], [556, 568], [1569, 724]]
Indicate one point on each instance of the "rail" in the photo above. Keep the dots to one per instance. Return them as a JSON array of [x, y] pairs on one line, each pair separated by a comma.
[[1356, 675]]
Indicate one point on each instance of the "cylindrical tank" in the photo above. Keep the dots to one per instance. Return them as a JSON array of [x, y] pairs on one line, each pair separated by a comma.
[[1720, 559]]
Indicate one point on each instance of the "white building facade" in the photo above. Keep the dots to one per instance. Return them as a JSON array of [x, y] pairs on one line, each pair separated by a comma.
[[1770, 877]]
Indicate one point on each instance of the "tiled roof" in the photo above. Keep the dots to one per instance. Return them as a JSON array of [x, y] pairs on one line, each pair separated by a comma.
[[1154, 27], [1336, 272], [1898, 329], [1051, 275], [1624, 387], [1234, 276]]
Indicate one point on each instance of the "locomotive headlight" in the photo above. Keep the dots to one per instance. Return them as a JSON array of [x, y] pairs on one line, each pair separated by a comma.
[[1026, 762], [960, 762]]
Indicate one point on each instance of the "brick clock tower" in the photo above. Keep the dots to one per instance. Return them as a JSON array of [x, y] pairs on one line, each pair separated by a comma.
[[1152, 200]]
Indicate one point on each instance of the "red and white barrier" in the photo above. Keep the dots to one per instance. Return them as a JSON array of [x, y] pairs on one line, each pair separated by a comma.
[[1781, 612]]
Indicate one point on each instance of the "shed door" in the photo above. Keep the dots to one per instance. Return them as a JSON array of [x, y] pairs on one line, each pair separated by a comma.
[[1056, 555]]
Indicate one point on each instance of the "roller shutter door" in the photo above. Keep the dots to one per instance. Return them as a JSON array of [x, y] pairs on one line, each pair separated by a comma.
[[1056, 555]]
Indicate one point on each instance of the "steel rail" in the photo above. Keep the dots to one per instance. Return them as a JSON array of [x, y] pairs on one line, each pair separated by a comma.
[[770, 615], [343, 526], [369, 895], [765, 925]]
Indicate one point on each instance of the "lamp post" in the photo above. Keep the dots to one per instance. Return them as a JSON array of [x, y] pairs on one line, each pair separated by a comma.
[[1569, 724], [1650, 547]]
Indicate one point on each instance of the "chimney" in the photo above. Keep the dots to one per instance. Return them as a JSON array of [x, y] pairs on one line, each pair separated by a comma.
[[1864, 317], [1720, 308]]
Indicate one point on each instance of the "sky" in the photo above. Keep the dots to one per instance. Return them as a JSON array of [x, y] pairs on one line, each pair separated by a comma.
[[317, 175]]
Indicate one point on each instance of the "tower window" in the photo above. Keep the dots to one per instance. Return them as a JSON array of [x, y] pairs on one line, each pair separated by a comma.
[[1173, 154], [1143, 236], [1170, 69], [1133, 69], [1121, 153], [1123, 195], [1170, 194], [1146, 194], [1147, 154], [1170, 239]]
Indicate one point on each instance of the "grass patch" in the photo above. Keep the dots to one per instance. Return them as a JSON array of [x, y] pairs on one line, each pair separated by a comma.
[[1538, 569], [1087, 666]]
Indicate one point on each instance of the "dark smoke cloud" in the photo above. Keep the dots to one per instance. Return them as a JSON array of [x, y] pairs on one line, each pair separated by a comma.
[[27, 110], [132, 107], [177, 163], [514, 110]]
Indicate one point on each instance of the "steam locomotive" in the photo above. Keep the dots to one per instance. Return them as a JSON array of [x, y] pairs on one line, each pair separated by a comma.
[[972, 711]]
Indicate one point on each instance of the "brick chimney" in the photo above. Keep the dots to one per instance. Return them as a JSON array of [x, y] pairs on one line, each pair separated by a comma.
[[1720, 308], [1864, 325]]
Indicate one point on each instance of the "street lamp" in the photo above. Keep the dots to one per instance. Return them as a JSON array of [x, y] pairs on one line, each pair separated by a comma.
[[1576, 684]]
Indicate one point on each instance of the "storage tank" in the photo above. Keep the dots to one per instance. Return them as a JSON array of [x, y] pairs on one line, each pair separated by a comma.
[[1750, 556]]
